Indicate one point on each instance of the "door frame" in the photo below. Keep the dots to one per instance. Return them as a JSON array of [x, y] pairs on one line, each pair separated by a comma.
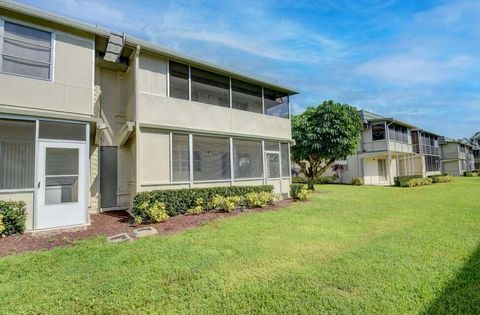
[[86, 165]]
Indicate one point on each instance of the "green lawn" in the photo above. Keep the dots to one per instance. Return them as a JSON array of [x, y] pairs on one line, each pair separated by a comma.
[[350, 250]]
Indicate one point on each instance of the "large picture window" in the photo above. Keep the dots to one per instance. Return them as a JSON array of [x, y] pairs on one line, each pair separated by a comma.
[[26, 51], [179, 87], [17, 154], [276, 103], [246, 96], [210, 88], [378, 132], [180, 158], [247, 159], [211, 158]]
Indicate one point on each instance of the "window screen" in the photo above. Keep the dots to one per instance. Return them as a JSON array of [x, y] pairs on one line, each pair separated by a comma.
[[378, 132], [17, 154], [180, 158], [61, 131], [178, 80], [271, 146], [211, 158], [247, 159], [273, 165], [26, 51], [276, 103], [285, 160], [210, 88], [246, 96]]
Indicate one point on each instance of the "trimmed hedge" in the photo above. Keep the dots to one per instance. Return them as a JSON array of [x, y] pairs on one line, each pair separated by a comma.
[[441, 178], [357, 181], [14, 217], [402, 181], [295, 190], [178, 201], [471, 174], [317, 181]]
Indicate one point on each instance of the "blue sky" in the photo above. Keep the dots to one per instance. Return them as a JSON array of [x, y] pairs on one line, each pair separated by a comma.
[[417, 61]]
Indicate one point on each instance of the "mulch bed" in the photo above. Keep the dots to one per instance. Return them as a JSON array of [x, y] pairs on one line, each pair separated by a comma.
[[108, 224]]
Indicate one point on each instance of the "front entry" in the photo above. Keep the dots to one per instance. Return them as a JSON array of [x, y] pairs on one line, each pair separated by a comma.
[[61, 189]]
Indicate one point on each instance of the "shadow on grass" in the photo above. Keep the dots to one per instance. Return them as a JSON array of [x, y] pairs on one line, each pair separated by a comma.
[[461, 295]]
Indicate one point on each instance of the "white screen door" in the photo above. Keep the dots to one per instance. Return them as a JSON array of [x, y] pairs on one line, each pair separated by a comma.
[[61, 185]]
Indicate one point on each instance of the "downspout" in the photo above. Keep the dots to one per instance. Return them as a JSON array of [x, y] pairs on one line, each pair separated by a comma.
[[137, 120]]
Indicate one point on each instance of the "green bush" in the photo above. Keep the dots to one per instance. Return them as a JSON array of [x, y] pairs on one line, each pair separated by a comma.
[[402, 181], [471, 174], [357, 181], [2, 226], [419, 182], [199, 207], [441, 178], [179, 201], [14, 217], [299, 192], [227, 204], [154, 212]]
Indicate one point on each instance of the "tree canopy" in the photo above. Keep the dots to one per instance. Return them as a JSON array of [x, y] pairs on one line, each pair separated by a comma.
[[324, 134]]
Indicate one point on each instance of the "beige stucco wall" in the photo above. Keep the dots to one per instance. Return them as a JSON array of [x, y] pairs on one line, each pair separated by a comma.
[[27, 197], [154, 157], [451, 167], [71, 90], [173, 113], [450, 150], [152, 75]]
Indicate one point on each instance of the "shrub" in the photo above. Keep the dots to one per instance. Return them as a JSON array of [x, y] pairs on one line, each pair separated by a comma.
[[402, 181], [317, 181], [14, 217], [471, 174], [261, 199], [227, 204], [419, 182], [178, 201], [199, 207], [295, 190], [150, 212], [441, 178], [357, 181], [2, 226]]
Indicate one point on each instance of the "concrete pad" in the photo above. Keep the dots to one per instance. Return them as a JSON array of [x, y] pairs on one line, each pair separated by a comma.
[[119, 238], [145, 231]]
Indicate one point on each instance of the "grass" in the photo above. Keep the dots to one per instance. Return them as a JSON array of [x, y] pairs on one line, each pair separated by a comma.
[[350, 250]]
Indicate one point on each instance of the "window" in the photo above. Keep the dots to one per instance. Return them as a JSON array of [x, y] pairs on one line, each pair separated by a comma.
[[247, 159], [432, 163], [276, 103], [17, 154], [246, 96], [180, 158], [26, 51], [179, 80], [398, 133], [271, 146], [61, 131], [210, 88], [378, 132], [211, 158], [382, 169], [285, 159]]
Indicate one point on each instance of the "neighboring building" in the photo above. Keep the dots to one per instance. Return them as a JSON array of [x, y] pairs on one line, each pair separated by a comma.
[[457, 156], [390, 148], [89, 117], [476, 156]]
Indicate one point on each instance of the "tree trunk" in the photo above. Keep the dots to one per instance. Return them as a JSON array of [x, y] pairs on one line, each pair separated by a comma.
[[310, 183]]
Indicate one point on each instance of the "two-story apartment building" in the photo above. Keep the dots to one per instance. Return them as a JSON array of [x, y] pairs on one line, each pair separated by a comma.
[[390, 148], [457, 156], [89, 117]]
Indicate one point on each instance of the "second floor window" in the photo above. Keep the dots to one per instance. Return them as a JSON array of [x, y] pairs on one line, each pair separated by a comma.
[[210, 88], [25, 51], [378, 132]]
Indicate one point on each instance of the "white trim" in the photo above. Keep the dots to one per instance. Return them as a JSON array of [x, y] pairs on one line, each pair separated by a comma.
[[246, 179], [87, 172], [2, 29], [19, 190], [170, 144], [36, 182], [280, 163], [211, 181], [264, 158]]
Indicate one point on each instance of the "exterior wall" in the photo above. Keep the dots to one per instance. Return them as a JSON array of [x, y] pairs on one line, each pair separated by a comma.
[[452, 167], [450, 151], [71, 90], [27, 197], [400, 147], [155, 157]]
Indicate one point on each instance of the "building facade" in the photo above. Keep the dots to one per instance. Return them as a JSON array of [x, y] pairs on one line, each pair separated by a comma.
[[389, 148], [457, 156], [89, 117]]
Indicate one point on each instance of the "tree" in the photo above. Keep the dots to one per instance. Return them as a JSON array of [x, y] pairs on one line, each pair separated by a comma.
[[323, 135], [475, 139]]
